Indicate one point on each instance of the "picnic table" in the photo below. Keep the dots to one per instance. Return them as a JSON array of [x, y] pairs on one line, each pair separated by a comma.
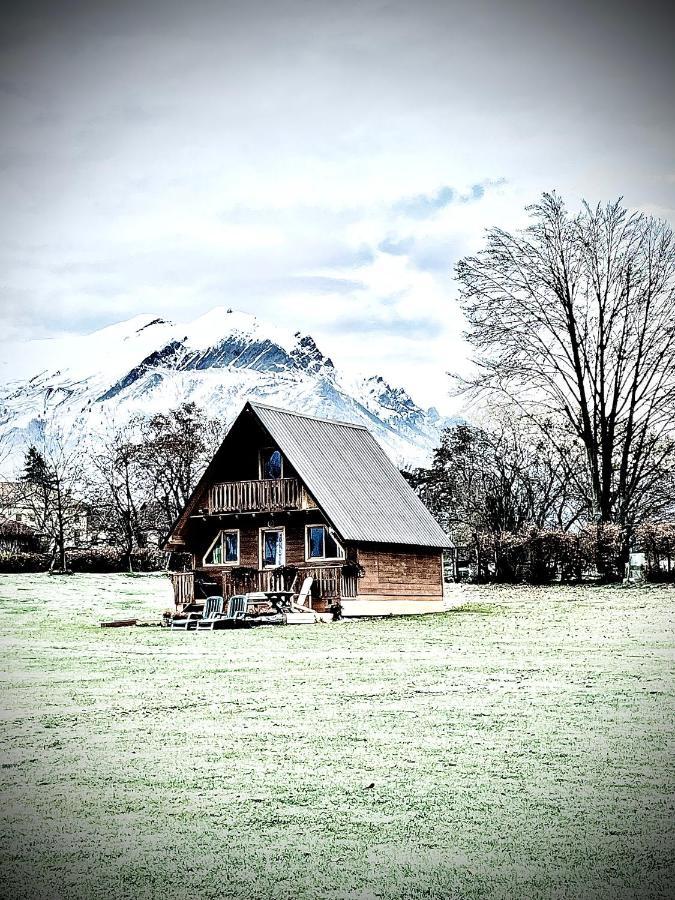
[[280, 600]]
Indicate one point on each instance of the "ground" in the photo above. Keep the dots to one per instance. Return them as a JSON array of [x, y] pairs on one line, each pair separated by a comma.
[[519, 746]]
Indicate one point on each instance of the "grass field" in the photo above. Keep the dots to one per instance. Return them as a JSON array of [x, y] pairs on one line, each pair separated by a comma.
[[519, 746]]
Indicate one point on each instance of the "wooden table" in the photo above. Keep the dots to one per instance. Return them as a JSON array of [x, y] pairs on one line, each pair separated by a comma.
[[280, 599]]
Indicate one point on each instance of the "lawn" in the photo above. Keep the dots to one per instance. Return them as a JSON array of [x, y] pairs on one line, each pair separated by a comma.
[[518, 746]]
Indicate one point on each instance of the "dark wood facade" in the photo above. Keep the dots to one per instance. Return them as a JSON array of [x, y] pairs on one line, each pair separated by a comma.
[[242, 506]]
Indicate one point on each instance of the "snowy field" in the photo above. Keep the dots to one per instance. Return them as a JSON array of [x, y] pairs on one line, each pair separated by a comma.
[[519, 746]]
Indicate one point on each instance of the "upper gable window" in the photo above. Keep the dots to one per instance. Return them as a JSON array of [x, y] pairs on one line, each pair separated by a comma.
[[271, 463]]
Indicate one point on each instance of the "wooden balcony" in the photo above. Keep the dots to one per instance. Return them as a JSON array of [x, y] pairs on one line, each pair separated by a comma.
[[255, 496]]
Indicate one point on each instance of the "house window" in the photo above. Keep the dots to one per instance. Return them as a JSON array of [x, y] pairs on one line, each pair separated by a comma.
[[224, 551], [272, 548], [320, 544], [271, 464]]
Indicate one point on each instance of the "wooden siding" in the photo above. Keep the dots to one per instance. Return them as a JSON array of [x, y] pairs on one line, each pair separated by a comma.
[[400, 573], [329, 581], [235, 461], [249, 526], [390, 571]]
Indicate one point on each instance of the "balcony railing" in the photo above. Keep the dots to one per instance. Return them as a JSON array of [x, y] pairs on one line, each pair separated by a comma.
[[255, 496], [329, 582], [183, 588]]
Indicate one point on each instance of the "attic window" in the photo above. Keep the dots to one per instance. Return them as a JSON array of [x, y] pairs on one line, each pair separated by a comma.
[[271, 464], [224, 551], [320, 544]]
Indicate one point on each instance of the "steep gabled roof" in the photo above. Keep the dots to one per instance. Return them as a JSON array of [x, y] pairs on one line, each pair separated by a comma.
[[354, 482], [352, 479]]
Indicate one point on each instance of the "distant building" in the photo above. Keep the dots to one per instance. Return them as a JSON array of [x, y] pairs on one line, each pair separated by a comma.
[[24, 503], [17, 537]]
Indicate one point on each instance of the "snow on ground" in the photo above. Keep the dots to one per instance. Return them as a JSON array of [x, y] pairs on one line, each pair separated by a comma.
[[518, 746]]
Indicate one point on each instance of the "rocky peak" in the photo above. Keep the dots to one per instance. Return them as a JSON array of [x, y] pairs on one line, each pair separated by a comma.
[[397, 401], [308, 357]]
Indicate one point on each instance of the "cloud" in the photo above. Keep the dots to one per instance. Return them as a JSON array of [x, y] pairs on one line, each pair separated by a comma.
[[400, 247], [434, 255], [477, 191], [411, 328], [322, 284], [424, 205], [296, 162]]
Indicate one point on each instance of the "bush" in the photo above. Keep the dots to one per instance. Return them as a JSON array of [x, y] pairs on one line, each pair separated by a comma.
[[660, 576], [657, 541], [113, 559], [24, 562], [542, 555], [96, 559]]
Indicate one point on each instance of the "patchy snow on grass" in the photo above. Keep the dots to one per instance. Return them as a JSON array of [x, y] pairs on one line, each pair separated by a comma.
[[518, 746]]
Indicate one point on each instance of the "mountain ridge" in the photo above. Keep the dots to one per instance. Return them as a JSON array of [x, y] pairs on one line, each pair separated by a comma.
[[148, 364]]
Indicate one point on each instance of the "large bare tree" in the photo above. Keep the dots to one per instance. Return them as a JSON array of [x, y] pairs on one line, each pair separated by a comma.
[[573, 325]]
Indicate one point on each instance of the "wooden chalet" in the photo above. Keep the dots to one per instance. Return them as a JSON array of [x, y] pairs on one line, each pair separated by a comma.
[[289, 495]]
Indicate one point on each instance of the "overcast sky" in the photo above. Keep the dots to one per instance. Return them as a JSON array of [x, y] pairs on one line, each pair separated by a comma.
[[321, 164]]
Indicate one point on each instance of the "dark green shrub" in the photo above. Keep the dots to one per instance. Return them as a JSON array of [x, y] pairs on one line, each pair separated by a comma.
[[113, 559], [24, 562]]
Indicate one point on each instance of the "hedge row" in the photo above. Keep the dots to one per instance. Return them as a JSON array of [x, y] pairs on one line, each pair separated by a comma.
[[94, 559], [541, 555], [24, 562]]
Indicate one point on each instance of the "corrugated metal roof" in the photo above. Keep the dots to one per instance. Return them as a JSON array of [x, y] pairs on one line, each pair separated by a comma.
[[352, 479]]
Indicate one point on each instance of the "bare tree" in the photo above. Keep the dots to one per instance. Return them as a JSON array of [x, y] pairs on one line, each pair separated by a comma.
[[7, 487], [174, 450], [6, 448], [50, 487], [572, 325], [115, 486], [496, 481]]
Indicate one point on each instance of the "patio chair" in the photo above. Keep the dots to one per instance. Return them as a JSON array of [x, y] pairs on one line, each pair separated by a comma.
[[304, 598], [236, 606], [192, 613], [213, 613]]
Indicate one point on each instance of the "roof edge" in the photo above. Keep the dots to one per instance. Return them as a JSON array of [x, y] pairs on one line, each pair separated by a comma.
[[254, 404]]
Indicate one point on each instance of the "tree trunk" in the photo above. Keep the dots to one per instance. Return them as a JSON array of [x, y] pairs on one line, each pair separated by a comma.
[[61, 530]]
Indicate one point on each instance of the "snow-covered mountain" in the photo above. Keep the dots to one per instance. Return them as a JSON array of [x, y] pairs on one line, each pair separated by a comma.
[[147, 365]]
